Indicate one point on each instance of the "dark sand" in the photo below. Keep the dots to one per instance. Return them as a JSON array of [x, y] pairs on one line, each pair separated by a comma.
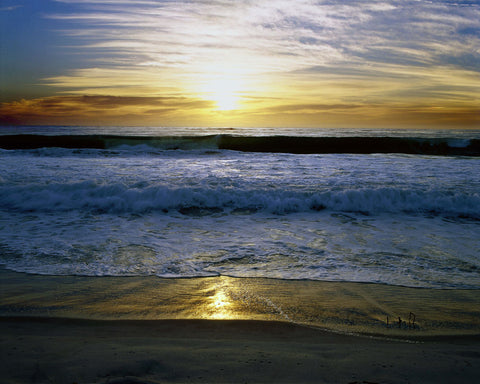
[[227, 330], [36, 350]]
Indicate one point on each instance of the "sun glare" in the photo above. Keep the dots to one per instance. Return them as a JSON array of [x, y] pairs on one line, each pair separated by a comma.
[[225, 101], [224, 91]]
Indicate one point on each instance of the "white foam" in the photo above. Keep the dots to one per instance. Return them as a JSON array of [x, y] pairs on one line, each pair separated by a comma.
[[398, 250], [143, 197], [185, 213]]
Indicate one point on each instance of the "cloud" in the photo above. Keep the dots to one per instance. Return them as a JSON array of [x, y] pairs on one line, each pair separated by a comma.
[[316, 56], [10, 8], [371, 115], [273, 35], [135, 111], [312, 108], [91, 109]]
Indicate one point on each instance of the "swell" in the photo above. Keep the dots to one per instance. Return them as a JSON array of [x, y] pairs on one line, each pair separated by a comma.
[[355, 145], [275, 144]]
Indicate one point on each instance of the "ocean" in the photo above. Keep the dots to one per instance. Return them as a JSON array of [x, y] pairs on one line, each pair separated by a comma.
[[394, 207]]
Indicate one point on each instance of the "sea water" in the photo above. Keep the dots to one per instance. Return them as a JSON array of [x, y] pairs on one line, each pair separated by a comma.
[[396, 207]]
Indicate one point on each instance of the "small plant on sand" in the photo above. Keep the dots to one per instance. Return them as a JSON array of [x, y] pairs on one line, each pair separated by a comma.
[[403, 324]]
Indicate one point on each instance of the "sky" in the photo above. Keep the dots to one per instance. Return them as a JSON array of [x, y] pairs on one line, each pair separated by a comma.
[[219, 63]]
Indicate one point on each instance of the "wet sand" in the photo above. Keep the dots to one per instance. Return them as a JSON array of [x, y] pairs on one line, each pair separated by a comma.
[[226, 330], [341, 307]]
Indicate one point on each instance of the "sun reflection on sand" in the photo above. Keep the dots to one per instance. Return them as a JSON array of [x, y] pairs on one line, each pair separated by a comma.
[[225, 298], [339, 306], [221, 305]]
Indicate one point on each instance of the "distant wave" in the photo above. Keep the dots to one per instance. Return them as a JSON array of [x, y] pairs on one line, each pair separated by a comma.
[[138, 199], [281, 144]]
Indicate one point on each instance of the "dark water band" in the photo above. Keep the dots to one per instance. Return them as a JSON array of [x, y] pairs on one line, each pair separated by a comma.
[[273, 144]]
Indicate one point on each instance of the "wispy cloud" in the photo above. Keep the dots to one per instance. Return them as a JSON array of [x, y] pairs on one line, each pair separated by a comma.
[[10, 8], [297, 53], [275, 35]]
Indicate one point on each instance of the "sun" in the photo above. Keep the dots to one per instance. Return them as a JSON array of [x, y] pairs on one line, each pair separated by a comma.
[[224, 91], [225, 101]]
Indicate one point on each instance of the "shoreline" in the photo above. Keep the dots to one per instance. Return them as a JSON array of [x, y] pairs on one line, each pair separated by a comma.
[[147, 330], [341, 307]]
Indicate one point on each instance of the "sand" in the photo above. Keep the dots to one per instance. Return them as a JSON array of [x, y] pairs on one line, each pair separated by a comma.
[[342, 307], [225, 330], [39, 350]]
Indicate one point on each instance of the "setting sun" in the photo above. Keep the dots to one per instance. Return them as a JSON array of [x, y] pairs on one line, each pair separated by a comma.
[[224, 91], [225, 101]]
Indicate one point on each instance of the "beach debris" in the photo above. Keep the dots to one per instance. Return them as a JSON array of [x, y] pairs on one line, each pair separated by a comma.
[[411, 320], [403, 324]]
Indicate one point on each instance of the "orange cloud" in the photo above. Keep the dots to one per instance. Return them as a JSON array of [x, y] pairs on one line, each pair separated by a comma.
[[109, 110], [191, 111]]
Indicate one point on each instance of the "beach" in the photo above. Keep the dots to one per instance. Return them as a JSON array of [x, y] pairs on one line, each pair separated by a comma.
[[67, 329], [160, 256], [239, 192]]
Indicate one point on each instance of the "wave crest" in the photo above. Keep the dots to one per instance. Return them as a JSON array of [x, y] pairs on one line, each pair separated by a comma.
[[142, 197]]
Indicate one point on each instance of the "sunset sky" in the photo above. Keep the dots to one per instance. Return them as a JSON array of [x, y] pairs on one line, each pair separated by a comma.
[[240, 63]]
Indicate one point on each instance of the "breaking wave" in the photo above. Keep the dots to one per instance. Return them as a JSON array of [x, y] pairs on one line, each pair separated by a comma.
[[141, 198]]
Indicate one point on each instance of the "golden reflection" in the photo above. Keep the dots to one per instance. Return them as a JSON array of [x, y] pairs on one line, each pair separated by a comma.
[[220, 306], [228, 298]]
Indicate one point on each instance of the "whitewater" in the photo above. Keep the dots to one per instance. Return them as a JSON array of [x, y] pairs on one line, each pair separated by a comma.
[[392, 207]]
